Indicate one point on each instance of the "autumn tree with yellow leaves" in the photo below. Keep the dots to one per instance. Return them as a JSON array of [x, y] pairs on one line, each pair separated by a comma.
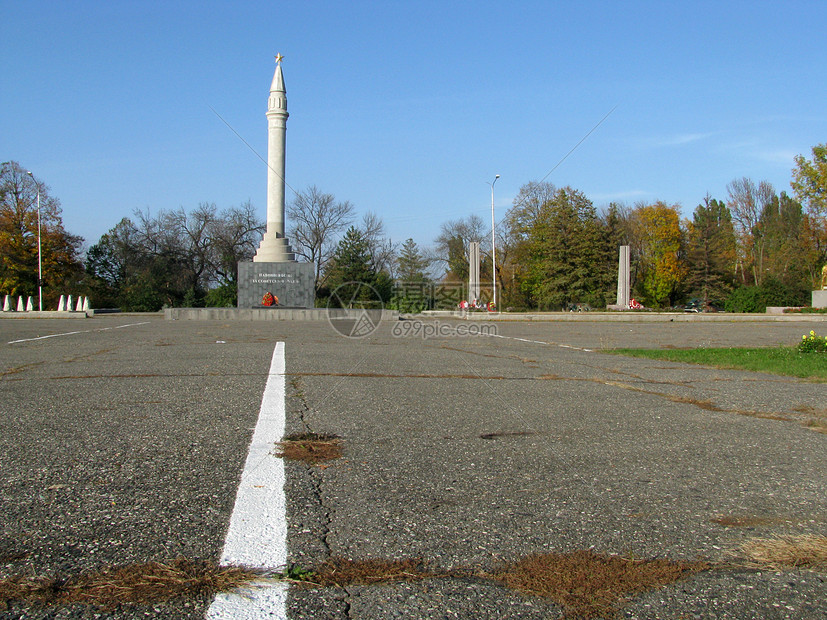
[[661, 264], [810, 187], [60, 250]]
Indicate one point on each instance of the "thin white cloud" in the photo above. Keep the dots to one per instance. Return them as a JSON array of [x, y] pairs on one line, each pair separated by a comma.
[[756, 149], [777, 156], [678, 139]]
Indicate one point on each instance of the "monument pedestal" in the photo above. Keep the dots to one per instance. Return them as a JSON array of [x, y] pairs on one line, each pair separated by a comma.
[[820, 299], [293, 283], [274, 248]]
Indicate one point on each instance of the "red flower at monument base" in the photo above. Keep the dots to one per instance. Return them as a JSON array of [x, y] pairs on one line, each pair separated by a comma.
[[269, 299]]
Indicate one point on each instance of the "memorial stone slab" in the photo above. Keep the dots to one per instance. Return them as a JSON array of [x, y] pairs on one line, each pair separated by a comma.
[[292, 283]]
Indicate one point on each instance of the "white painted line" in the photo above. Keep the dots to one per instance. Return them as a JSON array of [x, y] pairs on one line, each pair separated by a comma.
[[83, 331], [257, 537], [553, 344], [103, 329], [49, 336], [261, 600]]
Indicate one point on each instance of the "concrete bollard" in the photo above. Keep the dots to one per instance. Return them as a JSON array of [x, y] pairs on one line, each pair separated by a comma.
[[29, 305], [79, 307], [86, 304], [7, 304], [68, 303], [20, 306], [61, 305]]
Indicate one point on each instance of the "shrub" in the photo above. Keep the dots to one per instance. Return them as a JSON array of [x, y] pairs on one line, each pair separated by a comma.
[[745, 299], [224, 296], [772, 292]]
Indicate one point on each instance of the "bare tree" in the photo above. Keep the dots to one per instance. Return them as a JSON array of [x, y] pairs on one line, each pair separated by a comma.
[[316, 220], [234, 236], [382, 250], [527, 205], [746, 203], [471, 228], [193, 250]]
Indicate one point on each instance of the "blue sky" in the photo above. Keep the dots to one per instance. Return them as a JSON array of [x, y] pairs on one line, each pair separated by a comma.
[[407, 109]]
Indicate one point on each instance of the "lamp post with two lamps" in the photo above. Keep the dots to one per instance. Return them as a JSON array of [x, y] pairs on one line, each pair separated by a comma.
[[493, 248], [39, 249]]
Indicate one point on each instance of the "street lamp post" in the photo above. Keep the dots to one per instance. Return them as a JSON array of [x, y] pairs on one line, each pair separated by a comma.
[[39, 250], [493, 246]]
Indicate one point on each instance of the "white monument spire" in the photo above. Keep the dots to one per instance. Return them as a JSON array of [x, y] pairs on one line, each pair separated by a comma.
[[274, 247]]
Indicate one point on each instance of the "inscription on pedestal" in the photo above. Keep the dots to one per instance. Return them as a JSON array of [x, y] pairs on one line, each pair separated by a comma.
[[292, 283]]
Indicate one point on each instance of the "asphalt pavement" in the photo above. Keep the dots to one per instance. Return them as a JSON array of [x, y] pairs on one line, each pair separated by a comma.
[[122, 439]]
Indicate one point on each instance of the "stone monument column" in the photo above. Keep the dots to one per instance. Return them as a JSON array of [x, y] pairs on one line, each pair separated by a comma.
[[474, 271], [820, 295], [274, 247], [274, 279], [623, 277]]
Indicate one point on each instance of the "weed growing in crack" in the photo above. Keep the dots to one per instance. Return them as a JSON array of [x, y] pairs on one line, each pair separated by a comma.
[[587, 584], [296, 573], [310, 448], [342, 572], [147, 583]]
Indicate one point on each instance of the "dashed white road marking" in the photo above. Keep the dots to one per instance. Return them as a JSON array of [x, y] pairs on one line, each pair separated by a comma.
[[257, 537], [553, 344], [83, 331]]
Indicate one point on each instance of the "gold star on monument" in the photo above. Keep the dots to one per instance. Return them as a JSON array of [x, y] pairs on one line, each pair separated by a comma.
[[279, 58]]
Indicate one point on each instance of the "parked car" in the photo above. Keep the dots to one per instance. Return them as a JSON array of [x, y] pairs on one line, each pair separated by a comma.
[[698, 305]]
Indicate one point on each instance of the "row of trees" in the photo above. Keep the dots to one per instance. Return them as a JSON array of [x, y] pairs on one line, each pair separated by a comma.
[[178, 258], [554, 248], [174, 258], [754, 249]]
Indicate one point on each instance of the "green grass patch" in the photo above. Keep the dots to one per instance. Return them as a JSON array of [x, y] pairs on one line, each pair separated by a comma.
[[778, 361]]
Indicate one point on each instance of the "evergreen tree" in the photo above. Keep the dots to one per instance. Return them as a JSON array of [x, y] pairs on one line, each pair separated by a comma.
[[562, 251], [782, 228], [350, 277], [711, 251], [410, 263], [412, 293]]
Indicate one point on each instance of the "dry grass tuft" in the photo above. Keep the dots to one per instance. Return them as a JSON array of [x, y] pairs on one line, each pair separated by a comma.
[[804, 551], [818, 413], [310, 448], [818, 418], [149, 583], [706, 405], [16, 369], [587, 584], [819, 426], [341, 572]]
